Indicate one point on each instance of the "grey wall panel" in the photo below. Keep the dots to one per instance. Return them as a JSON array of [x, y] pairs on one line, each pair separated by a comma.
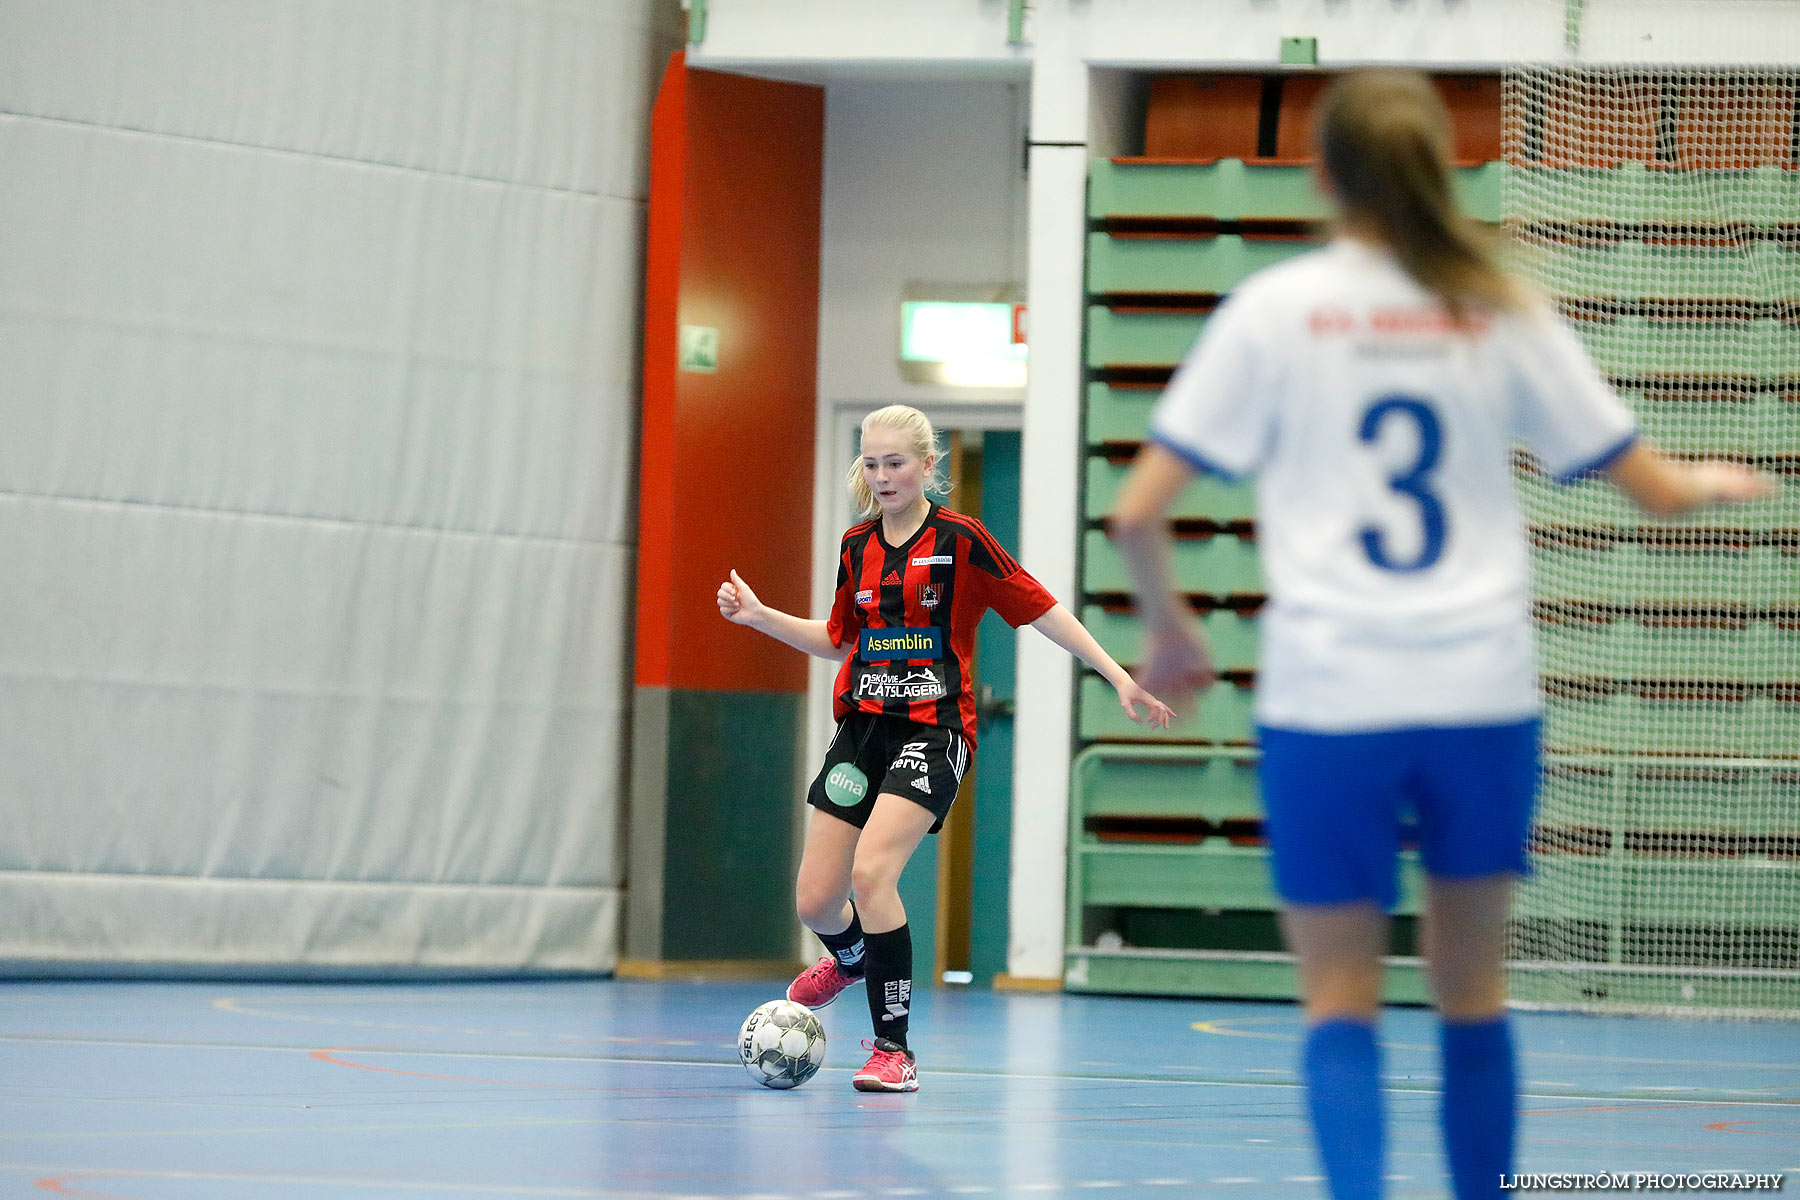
[[321, 320]]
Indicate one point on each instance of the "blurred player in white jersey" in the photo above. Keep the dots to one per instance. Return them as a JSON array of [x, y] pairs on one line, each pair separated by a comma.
[[1376, 388]]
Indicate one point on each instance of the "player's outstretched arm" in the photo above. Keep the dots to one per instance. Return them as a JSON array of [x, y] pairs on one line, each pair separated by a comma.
[[739, 605], [1176, 660], [1663, 487], [1061, 627]]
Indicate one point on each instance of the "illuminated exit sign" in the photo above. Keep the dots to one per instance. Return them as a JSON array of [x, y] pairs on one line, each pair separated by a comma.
[[963, 343]]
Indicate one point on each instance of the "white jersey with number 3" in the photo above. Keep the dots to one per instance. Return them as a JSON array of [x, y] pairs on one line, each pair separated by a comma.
[[1382, 438]]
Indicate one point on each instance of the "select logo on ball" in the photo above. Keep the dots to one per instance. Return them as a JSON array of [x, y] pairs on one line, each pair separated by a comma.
[[782, 1044], [845, 786]]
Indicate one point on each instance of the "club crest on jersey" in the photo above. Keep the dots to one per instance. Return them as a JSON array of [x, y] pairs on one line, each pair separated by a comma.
[[928, 595]]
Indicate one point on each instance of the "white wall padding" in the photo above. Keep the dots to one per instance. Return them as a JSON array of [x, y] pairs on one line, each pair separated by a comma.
[[320, 323]]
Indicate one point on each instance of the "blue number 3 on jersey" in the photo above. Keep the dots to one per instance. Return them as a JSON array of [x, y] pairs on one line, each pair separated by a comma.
[[1414, 482]]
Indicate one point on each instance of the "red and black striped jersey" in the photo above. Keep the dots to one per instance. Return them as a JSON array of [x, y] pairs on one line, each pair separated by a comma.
[[912, 610]]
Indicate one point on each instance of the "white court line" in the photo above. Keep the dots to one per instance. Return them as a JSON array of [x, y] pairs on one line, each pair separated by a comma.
[[319, 1000], [400, 1127], [1223, 1028], [1220, 1028], [232, 1005], [939, 1072], [65, 1171]]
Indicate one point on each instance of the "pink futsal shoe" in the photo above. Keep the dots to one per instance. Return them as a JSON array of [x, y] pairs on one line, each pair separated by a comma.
[[889, 1069], [820, 984]]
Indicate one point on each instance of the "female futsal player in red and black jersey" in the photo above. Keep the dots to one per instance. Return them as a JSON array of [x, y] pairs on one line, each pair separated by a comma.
[[913, 582]]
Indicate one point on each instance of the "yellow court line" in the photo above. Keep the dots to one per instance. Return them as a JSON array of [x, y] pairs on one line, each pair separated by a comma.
[[1219, 1029]]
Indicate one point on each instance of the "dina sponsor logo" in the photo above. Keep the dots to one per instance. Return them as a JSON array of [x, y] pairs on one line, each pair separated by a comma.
[[921, 684], [935, 560], [865, 598], [845, 786]]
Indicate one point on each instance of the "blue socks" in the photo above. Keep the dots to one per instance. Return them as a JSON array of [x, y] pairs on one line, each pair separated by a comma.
[[1342, 1066], [1480, 1105]]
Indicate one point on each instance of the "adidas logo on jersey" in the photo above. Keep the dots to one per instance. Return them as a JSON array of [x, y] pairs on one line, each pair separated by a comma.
[[892, 580], [923, 785]]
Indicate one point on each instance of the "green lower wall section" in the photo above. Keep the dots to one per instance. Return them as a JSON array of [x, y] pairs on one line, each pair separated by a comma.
[[996, 664], [730, 847], [1221, 974]]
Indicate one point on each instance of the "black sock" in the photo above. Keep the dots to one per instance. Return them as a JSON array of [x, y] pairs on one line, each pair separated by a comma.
[[888, 969], [847, 947]]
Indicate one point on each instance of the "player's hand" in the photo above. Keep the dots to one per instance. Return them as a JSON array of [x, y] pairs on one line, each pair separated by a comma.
[[737, 603], [1177, 664], [1731, 483], [1156, 714]]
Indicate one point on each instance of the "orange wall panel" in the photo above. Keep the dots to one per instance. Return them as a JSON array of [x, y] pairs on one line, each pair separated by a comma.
[[727, 456], [662, 293], [1203, 116]]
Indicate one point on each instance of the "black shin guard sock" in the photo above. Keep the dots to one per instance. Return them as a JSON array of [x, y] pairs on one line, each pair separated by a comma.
[[888, 969], [847, 947]]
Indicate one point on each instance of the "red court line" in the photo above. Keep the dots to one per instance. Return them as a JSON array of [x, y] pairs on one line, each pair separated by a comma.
[[1650, 1106], [59, 1185], [1646, 1106], [1726, 1127]]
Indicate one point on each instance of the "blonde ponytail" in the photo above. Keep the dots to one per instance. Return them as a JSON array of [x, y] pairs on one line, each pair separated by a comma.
[[922, 441]]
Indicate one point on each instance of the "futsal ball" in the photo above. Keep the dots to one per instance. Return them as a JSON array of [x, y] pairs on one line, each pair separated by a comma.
[[782, 1044]]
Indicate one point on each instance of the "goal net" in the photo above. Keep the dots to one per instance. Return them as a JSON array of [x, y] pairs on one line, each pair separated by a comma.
[[1661, 208]]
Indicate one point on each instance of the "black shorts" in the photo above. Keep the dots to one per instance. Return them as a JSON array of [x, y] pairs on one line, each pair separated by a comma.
[[924, 763]]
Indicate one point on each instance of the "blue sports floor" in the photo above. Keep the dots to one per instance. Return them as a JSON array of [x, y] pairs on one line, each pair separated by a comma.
[[142, 1091]]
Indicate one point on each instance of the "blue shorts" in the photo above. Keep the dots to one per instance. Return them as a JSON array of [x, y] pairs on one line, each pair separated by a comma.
[[1339, 805]]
